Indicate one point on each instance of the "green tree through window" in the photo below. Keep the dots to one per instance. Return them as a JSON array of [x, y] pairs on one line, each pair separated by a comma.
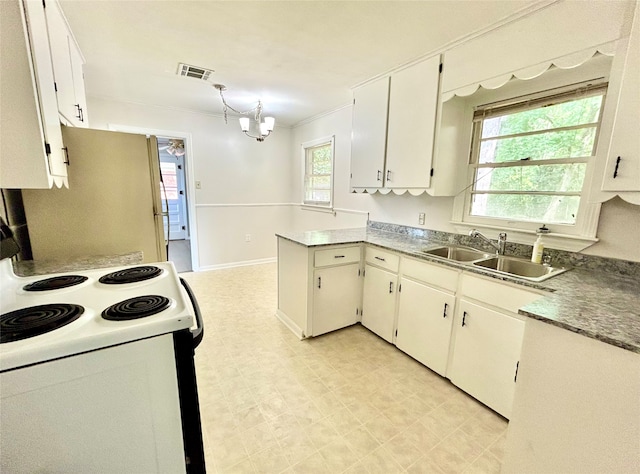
[[530, 161]]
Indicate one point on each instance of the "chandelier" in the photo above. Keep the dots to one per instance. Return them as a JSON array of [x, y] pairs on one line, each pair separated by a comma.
[[264, 128]]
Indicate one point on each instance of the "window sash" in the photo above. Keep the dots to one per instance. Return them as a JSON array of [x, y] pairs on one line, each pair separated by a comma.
[[500, 109], [309, 189]]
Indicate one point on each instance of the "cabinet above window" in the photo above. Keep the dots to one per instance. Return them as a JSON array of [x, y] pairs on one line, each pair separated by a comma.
[[394, 120]]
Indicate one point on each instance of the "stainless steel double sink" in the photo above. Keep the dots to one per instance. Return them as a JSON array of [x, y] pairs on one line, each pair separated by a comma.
[[506, 265]]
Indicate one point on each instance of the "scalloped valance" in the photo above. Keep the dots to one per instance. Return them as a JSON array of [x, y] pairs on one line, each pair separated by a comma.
[[569, 61], [397, 191]]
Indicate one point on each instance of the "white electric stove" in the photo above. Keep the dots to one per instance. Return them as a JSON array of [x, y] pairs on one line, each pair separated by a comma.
[[97, 368], [75, 304]]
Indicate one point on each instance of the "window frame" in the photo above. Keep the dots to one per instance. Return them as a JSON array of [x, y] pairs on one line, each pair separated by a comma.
[[305, 149], [583, 231]]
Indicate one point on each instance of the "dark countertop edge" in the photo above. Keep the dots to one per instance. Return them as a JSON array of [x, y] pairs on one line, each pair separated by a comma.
[[543, 286]]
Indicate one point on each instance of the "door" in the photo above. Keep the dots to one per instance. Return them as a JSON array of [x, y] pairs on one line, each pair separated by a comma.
[[379, 301], [369, 135], [413, 100], [335, 298], [486, 354], [173, 191], [425, 317]]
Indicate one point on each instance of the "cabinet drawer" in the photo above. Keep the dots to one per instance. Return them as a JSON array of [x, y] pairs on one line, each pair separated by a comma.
[[433, 274], [503, 295], [336, 256], [380, 258]]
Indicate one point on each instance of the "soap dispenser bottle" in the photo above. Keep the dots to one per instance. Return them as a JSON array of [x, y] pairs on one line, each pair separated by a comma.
[[538, 246]]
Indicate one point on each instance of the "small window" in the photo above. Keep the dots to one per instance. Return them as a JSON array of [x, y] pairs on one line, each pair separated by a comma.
[[318, 172], [529, 159]]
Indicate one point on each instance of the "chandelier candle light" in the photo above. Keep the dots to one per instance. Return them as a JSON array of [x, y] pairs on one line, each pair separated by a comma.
[[265, 128]]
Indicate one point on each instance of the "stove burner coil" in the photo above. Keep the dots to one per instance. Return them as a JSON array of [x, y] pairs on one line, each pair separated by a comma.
[[130, 275], [55, 283], [135, 308], [35, 320]]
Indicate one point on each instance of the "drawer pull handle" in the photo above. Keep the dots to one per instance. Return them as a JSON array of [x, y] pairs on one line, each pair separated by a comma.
[[380, 258], [379, 173], [615, 172], [464, 317], [444, 313], [390, 287], [338, 256], [319, 282], [388, 175]]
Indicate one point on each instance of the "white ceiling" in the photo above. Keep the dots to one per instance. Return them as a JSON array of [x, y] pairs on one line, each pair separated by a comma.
[[299, 57]]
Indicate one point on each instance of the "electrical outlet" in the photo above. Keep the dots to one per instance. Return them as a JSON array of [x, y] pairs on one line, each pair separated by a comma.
[[198, 185], [247, 237], [421, 218]]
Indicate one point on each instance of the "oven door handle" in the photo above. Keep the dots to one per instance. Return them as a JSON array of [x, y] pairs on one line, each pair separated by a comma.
[[197, 333]]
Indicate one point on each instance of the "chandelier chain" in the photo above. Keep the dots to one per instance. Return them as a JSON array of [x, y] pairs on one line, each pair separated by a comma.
[[257, 110]]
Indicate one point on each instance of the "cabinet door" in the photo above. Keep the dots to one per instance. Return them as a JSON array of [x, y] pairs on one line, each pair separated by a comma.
[[77, 63], [413, 101], [425, 317], [31, 139], [67, 67], [369, 134], [622, 172], [486, 354], [335, 298], [379, 301]]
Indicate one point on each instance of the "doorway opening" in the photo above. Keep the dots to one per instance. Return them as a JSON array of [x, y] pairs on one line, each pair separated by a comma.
[[173, 190]]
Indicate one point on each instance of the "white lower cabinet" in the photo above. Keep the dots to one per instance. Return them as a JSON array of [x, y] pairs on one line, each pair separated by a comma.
[[319, 289], [336, 298], [486, 355], [425, 317], [379, 301]]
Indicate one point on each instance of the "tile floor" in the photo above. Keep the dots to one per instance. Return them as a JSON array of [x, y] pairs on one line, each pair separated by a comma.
[[343, 402]]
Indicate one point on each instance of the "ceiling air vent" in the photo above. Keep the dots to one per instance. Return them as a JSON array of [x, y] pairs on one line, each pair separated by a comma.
[[196, 72]]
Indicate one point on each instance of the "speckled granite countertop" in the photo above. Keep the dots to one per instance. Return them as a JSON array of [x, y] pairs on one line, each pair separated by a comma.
[[601, 305], [26, 268]]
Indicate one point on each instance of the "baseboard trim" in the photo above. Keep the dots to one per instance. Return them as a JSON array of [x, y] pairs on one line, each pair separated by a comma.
[[244, 263], [288, 322]]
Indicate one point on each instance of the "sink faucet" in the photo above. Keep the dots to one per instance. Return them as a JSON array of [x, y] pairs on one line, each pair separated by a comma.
[[502, 240]]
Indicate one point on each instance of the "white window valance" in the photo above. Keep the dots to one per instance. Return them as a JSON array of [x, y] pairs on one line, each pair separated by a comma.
[[564, 34], [565, 62]]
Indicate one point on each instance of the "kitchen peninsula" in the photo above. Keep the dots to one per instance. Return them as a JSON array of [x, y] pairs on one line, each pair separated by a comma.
[[577, 380]]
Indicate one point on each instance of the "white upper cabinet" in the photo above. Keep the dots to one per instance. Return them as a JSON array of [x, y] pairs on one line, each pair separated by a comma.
[[412, 118], [67, 68], [622, 171], [393, 129], [31, 146], [369, 134]]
